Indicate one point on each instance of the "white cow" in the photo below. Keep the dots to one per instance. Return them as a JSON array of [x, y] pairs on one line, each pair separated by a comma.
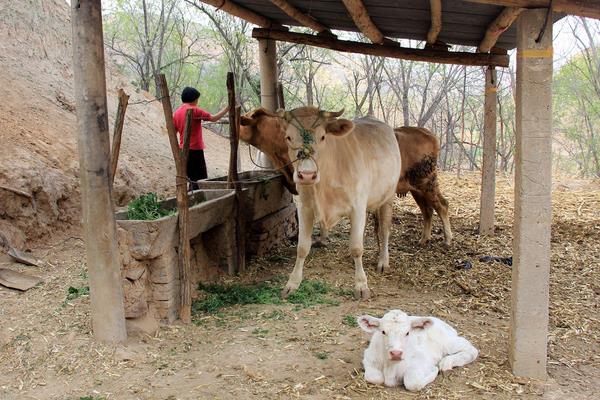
[[344, 168], [411, 350]]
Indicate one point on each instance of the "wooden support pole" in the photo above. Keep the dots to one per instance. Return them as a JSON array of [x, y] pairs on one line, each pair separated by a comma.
[[236, 10], [502, 22], [102, 254], [533, 202], [436, 21], [117, 133], [299, 16], [393, 51], [488, 170], [581, 8], [267, 63], [233, 179], [359, 14], [180, 156], [280, 97]]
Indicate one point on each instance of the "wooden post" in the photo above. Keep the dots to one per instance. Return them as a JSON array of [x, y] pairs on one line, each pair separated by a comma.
[[233, 179], [280, 97], [533, 203], [104, 267], [488, 170], [117, 133], [180, 156], [267, 61]]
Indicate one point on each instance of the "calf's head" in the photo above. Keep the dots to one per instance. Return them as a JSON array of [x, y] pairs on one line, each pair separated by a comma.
[[265, 132], [306, 132], [395, 328]]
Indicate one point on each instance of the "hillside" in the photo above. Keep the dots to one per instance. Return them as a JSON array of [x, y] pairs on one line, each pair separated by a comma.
[[39, 191]]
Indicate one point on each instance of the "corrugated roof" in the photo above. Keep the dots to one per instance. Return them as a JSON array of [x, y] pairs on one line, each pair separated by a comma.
[[463, 23]]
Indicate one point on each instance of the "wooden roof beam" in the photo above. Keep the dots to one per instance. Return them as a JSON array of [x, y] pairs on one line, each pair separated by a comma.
[[385, 50], [363, 21], [497, 28], [242, 12], [581, 8], [436, 21], [303, 18]]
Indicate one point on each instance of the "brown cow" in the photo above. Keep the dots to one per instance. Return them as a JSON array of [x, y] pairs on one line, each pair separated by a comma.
[[419, 151]]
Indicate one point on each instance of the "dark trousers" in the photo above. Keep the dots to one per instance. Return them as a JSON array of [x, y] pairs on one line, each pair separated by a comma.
[[196, 167]]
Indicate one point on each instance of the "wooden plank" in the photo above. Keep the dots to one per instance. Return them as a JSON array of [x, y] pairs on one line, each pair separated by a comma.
[[498, 27], [242, 12], [427, 55], [299, 16], [180, 157], [436, 21], [361, 18], [581, 8], [97, 211], [117, 133]]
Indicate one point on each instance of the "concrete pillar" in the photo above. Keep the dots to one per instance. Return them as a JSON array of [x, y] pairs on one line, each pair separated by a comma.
[[104, 267], [267, 61], [533, 203], [488, 171]]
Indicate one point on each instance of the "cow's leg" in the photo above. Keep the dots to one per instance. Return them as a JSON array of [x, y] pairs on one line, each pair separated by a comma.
[[305, 221], [420, 376], [440, 204], [427, 212], [358, 219], [321, 241], [384, 224], [461, 352]]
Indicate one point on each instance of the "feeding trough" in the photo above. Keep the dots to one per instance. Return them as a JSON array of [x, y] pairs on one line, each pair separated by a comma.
[[148, 250], [268, 209]]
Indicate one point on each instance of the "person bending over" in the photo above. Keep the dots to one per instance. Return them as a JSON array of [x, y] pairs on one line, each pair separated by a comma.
[[196, 164]]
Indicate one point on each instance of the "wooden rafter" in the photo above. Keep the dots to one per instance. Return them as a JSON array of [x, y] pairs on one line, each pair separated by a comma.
[[497, 27], [304, 19], [581, 8], [393, 51], [363, 21], [242, 12], [436, 21]]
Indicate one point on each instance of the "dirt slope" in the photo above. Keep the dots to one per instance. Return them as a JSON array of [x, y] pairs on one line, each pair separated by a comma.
[[38, 131]]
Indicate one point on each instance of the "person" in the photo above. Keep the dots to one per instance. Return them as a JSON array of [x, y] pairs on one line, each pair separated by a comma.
[[196, 164]]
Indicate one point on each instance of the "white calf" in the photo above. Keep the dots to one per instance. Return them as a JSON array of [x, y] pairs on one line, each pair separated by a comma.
[[411, 350]]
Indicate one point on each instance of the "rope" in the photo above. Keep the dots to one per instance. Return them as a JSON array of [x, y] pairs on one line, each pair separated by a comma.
[[548, 13]]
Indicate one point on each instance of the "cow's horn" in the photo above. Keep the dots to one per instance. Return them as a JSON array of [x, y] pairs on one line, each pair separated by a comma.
[[332, 114], [281, 113]]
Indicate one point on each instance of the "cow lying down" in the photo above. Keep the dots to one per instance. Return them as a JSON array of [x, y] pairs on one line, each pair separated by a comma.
[[411, 350]]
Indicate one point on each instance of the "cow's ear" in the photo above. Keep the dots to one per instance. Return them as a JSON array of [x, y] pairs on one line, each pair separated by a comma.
[[339, 127], [247, 121], [368, 323], [421, 323]]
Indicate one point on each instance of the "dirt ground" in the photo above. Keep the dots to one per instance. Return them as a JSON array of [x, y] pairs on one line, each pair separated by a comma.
[[282, 351]]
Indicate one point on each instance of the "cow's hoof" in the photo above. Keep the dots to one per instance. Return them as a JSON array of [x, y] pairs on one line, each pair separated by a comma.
[[382, 266], [423, 242], [362, 293], [288, 289]]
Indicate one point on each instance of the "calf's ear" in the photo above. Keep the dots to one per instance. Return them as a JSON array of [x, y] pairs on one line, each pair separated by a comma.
[[368, 323], [421, 323], [339, 127]]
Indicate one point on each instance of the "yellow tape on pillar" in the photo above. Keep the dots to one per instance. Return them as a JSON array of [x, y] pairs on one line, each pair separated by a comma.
[[492, 89], [536, 53]]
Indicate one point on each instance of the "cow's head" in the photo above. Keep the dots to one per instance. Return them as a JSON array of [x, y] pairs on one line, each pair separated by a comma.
[[395, 328], [307, 130], [265, 132]]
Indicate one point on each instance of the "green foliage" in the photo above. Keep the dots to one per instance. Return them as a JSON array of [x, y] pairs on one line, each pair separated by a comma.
[[92, 398], [321, 355], [147, 207], [217, 297], [75, 292], [350, 320]]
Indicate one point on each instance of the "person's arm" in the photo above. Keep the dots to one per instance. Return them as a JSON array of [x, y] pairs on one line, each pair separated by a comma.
[[219, 115]]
